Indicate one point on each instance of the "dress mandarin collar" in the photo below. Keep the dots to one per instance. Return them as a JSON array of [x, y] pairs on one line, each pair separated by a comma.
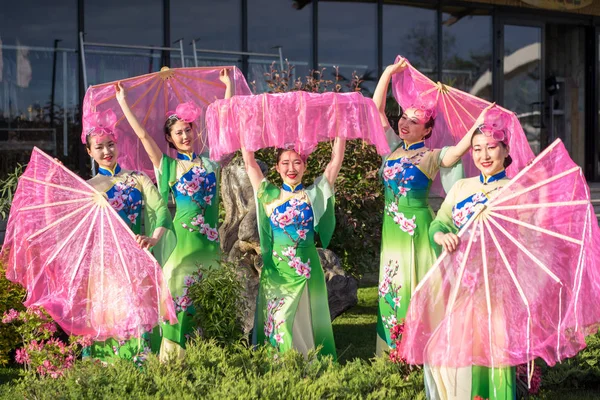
[[186, 156], [413, 146], [489, 179], [292, 189], [108, 171]]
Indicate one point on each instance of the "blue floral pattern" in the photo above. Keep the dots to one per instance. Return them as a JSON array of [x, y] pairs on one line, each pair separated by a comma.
[[201, 188], [295, 219], [126, 199], [402, 175]]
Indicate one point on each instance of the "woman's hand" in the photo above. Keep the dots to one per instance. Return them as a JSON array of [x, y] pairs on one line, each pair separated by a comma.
[[145, 242], [448, 241], [120, 93], [398, 67], [226, 79], [224, 76]]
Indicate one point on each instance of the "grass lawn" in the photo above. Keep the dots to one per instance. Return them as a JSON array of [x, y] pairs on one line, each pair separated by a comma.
[[354, 331]]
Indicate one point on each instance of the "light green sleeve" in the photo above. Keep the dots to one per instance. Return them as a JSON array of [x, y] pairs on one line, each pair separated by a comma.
[[266, 193], [157, 215], [450, 175], [393, 140], [322, 200], [443, 221]]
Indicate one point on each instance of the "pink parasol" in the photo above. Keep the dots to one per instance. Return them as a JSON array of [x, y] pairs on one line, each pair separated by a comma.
[[78, 259], [298, 120], [524, 280], [455, 113], [153, 98]]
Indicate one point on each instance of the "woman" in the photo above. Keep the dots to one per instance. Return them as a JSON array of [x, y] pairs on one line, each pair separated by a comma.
[[292, 310], [126, 191], [407, 174], [193, 181], [491, 156]]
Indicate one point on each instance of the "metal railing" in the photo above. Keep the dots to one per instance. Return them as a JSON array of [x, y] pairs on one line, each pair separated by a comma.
[[51, 130], [278, 55]]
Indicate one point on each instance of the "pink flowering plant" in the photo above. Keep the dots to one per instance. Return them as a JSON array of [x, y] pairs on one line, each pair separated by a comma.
[[529, 379], [396, 335], [43, 352]]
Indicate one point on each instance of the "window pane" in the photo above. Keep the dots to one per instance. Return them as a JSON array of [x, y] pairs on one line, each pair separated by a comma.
[[213, 25], [411, 32], [348, 39], [522, 84], [134, 22], [277, 23], [467, 50], [33, 111]]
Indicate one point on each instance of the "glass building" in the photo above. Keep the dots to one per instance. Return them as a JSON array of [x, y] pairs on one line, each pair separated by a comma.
[[537, 58]]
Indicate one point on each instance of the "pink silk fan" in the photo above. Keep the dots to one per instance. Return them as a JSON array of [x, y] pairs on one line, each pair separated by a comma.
[[151, 97], [455, 113], [78, 259], [523, 282]]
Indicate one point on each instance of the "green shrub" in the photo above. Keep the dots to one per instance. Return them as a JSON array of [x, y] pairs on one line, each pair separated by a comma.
[[581, 371], [234, 372], [218, 298], [8, 186], [11, 297]]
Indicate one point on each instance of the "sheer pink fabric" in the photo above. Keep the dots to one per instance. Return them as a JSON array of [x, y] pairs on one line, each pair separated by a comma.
[[151, 98], [78, 259], [524, 281], [456, 112], [295, 120]]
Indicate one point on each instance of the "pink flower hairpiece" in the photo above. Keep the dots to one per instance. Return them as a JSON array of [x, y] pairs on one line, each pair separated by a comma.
[[423, 111], [99, 124], [292, 146], [496, 125], [499, 135], [186, 112]]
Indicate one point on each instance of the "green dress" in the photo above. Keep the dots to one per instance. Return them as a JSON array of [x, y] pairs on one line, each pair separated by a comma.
[[193, 182], [292, 310], [467, 383], [126, 192], [406, 255]]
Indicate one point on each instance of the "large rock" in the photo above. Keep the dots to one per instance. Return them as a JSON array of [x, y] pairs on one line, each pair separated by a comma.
[[240, 244], [342, 290]]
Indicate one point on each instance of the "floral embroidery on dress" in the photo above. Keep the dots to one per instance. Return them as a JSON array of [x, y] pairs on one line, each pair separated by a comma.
[[464, 210], [295, 216], [388, 290], [397, 177], [272, 336], [126, 199], [201, 188], [183, 302]]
